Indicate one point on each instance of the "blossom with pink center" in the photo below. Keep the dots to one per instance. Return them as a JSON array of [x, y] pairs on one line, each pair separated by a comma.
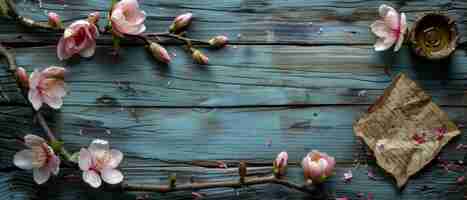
[[317, 166], [99, 161], [280, 164], [47, 86], [180, 23], [40, 158], [78, 38], [54, 19], [390, 29], [127, 18]]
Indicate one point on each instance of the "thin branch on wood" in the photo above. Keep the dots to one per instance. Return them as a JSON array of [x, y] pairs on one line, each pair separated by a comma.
[[9, 58], [186, 40], [28, 22], [219, 184]]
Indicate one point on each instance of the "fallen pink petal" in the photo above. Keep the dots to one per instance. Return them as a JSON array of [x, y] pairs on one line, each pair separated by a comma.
[[460, 180], [371, 175], [348, 176]]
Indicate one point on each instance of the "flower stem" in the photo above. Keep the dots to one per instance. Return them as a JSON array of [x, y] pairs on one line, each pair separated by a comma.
[[46, 128], [218, 184], [186, 40]]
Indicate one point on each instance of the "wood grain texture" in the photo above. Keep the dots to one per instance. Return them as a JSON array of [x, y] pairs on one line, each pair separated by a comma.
[[317, 22], [295, 78], [248, 76]]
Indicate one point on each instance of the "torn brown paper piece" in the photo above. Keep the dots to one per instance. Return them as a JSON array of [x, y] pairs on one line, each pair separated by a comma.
[[405, 129]]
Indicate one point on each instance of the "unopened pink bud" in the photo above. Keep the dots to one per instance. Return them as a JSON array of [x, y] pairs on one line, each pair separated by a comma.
[[22, 77], [219, 41], [54, 20], [317, 166], [93, 18], [159, 52], [280, 164], [199, 57], [180, 23]]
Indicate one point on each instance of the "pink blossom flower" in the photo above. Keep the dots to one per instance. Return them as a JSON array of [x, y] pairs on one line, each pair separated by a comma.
[[99, 161], [342, 198], [318, 166], [180, 23], [40, 158], [280, 164], [78, 38], [126, 18], [47, 86], [54, 19], [390, 29]]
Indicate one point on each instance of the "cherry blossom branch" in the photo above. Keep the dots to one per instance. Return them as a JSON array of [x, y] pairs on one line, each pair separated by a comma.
[[248, 181], [28, 22], [9, 58]]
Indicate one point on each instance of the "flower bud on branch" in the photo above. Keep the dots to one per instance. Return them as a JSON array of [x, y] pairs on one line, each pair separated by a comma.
[[22, 78], [54, 20], [317, 167], [180, 23], [159, 52], [199, 57], [242, 171], [172, 180], [280, 164], [93, 18], [218, 41]]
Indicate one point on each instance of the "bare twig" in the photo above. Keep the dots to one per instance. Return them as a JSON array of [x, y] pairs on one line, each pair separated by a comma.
[[9, 58], [219, 184], [28, 22], [186, 40]]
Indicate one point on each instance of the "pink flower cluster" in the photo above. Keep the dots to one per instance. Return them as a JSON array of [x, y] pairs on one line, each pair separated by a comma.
[[98, 162], [80, 37]]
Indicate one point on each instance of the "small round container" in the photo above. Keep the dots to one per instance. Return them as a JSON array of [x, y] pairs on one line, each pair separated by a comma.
[[434, 36]]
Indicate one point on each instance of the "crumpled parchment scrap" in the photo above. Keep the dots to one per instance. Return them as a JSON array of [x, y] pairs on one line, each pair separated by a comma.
[[405, 129]]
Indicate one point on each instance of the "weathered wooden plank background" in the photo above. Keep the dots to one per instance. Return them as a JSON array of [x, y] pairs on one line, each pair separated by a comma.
[[296, 76]]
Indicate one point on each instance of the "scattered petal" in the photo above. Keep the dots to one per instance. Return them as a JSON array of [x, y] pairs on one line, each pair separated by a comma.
[[371, 175], [348, 176], [419, 139]]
